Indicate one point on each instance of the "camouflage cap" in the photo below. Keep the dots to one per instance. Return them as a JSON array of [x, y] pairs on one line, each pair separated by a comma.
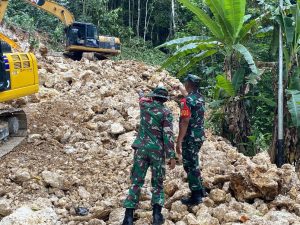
[[160, 92], [192, 78]]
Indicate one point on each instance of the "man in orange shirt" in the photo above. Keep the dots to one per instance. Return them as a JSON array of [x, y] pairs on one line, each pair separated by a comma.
[[191, 136]]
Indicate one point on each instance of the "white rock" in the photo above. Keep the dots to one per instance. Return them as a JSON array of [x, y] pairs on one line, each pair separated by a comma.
[[117, 128], [83, 193], [180, 223], [116, 216], [53, 179], [22, 175], [69, 149], [26, 216], [33, 137]]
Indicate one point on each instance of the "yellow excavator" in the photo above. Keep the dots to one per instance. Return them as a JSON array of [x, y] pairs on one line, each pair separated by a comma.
[[80, 37], [18, 78]]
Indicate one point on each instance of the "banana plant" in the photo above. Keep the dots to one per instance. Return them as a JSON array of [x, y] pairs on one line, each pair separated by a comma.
[[228, 30]]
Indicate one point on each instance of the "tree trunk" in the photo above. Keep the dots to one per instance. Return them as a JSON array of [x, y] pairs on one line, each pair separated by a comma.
[[139, 19], [146, 16], [173, 17], [273, 148], [129, 13], [236, 127], [132, 15]]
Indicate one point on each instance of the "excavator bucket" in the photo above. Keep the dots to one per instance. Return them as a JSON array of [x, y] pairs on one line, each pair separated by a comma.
[[13, 129]]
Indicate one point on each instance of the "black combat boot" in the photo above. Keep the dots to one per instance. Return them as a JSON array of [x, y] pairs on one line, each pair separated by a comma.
[[158, 218], [194, 199], [128, 219]]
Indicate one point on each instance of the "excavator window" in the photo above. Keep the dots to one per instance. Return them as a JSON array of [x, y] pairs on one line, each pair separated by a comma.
[[4, 71], [83, 34], [91, 32]]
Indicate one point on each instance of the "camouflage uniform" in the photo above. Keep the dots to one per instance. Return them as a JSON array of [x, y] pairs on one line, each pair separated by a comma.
[[194, 108], [154, 143]]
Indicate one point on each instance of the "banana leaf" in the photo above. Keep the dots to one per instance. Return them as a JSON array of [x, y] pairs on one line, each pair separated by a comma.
[[204, 18], [238, 79], [196, 59], [294, 106], [225, 85], [234, 11], [248, 57], [189, 49], [184, 41], [218, 11]]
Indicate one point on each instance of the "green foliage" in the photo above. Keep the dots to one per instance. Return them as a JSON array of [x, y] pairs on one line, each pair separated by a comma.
[[294, 106], [196, 59], [238, 79], [23, 20], [228, 30], [247, 55], [224, 85], [204, 18], [136, 49]]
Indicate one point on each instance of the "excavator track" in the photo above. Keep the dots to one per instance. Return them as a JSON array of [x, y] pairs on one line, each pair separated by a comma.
[[13, 129]]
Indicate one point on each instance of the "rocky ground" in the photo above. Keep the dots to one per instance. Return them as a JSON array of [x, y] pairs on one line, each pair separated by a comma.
[[78, 154]]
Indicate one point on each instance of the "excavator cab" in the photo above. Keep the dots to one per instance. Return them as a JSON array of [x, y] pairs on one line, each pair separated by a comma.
[[83, 37], [82, 34]]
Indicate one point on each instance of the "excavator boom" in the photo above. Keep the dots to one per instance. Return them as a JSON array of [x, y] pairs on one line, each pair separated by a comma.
[[3, 6], [55, 9], [10, 42]]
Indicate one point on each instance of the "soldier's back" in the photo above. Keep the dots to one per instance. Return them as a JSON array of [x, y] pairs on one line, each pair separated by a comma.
[[150, 135]]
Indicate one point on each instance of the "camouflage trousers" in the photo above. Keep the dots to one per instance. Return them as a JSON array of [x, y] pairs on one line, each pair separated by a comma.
[[190, 159], [143, 159]]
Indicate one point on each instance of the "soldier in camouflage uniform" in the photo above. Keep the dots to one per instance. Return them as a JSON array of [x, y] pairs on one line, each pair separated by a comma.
[[191, 136], [154, 143]]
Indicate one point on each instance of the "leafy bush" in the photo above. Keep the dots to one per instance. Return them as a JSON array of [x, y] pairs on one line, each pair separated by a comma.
[[136, 49]]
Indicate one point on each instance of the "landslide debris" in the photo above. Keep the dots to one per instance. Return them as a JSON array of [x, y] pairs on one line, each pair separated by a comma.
[[78, 154]]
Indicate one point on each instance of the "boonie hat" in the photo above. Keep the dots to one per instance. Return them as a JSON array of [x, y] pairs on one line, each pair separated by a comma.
[[159, 92], [192, 78]]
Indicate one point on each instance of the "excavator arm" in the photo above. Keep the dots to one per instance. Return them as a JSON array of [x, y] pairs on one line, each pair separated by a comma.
[[55, 9], [3, 6], [10, 42], [51, 7]]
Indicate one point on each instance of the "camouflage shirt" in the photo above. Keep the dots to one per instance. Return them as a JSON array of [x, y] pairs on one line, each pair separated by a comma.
[[156, 129], [195, 103]]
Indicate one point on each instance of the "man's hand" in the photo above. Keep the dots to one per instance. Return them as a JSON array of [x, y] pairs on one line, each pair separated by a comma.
[[178, 147], [181, 88], [177, 86], [172, 164]]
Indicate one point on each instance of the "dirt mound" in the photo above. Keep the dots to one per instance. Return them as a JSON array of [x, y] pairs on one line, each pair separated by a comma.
[[78, 154]]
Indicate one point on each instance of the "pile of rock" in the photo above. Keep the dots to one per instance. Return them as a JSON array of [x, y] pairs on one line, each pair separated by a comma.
[[78, 154]]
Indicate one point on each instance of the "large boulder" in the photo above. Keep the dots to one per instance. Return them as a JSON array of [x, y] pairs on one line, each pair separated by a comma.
[[25, 215]]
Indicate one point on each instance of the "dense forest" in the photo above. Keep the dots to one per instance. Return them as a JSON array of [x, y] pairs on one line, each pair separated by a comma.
[[232, 48]]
